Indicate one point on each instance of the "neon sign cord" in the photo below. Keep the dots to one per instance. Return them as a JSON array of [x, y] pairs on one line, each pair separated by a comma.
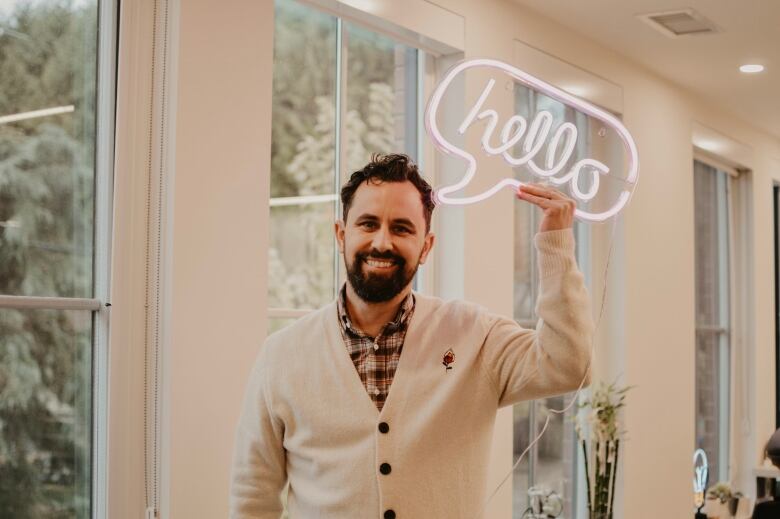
[[582, 382]]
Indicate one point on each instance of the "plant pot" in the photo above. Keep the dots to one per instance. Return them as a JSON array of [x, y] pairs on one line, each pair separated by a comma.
[[733, 505], [715, 509]]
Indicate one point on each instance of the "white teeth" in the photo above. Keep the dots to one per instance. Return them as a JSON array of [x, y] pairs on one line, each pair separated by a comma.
[[376, 263]]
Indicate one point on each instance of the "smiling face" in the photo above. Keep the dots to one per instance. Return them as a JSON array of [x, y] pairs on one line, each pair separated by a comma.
[[384, 239]]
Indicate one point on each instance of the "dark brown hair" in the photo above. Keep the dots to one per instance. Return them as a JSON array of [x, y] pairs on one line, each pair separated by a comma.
[[394, 167]]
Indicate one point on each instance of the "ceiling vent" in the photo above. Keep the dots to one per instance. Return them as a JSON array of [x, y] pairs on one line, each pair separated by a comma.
[[681, 22]]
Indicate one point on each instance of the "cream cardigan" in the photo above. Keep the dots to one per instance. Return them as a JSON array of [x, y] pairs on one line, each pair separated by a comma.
[[307, 418]]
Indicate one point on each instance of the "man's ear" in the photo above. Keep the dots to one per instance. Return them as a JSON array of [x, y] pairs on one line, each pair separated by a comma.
[[339, 228], [430, 239]]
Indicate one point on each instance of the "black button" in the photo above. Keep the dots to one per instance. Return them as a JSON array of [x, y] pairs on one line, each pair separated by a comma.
[[384, 428], [389, 514], [385, 468]]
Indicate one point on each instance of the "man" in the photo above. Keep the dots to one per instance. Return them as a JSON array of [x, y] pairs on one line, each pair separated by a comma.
[[382, 404]]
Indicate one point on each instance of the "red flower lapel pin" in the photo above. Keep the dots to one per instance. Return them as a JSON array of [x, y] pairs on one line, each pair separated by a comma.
[[448, 359]]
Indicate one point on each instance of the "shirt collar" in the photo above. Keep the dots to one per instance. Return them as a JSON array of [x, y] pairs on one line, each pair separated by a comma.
[[400, 320]]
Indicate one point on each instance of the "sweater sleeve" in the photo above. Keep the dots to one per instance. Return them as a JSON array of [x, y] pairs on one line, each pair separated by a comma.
[[258, 473], [552, 359]]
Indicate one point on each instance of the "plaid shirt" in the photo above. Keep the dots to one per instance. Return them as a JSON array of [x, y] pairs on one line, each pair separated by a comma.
[[376, 359]]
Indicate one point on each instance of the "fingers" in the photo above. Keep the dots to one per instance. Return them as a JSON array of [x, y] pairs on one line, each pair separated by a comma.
[[542, 202], [558, 208], [540, 190], [547, 198]]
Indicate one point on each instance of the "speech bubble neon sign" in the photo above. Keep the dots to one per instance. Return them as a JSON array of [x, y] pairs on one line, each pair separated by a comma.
[[516, 128]]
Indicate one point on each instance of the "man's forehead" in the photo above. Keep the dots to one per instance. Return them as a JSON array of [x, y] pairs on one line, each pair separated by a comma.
[[393, 199]]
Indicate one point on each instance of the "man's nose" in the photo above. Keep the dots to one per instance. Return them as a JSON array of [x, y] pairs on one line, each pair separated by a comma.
[[382, 241]]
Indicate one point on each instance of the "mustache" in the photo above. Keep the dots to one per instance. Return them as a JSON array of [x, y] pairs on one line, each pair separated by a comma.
[[375, 254]]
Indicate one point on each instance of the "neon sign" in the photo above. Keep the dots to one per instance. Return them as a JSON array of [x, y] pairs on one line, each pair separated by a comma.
[[534, 136]]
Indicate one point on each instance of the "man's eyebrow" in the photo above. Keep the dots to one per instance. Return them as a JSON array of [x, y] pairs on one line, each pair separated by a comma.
[[405, 221], [371, 217]]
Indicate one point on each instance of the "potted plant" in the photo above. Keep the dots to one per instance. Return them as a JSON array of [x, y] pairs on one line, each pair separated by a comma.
[[601, 446], [723, 493]]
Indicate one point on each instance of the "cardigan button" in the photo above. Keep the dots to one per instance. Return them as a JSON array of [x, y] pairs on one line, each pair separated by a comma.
[[384, 428], [385, 468], [389, 514]]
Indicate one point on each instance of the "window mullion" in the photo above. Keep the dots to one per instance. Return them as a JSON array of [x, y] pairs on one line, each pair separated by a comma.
[[342, 44], [104, 187], [723, 342], [49, 303]]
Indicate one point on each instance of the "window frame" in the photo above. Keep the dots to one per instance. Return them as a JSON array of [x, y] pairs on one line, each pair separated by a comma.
[[727, 178]]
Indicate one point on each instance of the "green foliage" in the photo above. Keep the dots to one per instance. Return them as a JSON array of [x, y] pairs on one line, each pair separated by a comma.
[[722, 492], [603, 415], [47, 59], [600, 451]]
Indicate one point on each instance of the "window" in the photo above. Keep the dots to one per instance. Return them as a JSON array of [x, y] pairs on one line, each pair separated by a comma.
[[712, 205], [54, 182], [552, 461], [340, 93]]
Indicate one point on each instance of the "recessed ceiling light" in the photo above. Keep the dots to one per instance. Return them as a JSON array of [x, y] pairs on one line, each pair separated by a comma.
[[751, 68]]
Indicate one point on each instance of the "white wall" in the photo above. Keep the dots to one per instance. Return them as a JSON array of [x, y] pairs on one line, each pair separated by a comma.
[[219, 238]]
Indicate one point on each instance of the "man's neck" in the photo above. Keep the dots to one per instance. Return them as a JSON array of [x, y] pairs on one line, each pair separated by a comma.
[[371, 317]]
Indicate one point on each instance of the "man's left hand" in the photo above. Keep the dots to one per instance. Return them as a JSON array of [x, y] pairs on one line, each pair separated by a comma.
[[558, 208]]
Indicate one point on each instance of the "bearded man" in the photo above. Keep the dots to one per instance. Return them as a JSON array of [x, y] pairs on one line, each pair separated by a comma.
[[382, 403]]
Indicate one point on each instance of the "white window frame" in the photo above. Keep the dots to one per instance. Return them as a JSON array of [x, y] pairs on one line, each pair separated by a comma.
[[726, 308]]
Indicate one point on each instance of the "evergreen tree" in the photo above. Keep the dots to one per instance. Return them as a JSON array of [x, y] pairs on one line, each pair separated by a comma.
[[47, 59]]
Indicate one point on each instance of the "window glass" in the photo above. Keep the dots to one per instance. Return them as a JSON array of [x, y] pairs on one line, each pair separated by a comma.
[[45, 413], [303, 154], [48, 60], [520, 440], [381, 97], [712, 315], [301, 257], [47, 147], [555, 453]]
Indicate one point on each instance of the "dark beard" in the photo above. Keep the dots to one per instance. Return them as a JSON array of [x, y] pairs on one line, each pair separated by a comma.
[[373, 288]]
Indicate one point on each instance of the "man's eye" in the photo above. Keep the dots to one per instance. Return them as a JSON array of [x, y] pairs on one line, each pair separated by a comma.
[[368, 225], [401, 230]]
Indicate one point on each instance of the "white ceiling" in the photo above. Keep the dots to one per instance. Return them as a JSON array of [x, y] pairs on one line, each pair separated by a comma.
[[707, 65]]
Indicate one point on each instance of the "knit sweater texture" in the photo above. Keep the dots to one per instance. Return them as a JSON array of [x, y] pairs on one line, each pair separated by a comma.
[[307, 419]]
